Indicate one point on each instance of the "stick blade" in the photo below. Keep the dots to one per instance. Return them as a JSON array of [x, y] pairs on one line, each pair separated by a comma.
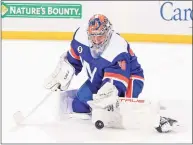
[[18, 117]]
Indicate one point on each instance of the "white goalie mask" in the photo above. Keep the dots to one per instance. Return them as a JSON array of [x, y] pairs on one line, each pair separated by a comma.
[[99, 34]]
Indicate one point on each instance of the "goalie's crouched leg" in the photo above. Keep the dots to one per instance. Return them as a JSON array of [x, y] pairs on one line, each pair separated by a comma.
[[84, 94], [75, 100]]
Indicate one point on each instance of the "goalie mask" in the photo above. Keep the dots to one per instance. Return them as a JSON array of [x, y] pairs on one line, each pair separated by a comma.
[[99, 33]]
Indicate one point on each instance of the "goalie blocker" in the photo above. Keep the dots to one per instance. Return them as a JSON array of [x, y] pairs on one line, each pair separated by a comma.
[[62, 75]]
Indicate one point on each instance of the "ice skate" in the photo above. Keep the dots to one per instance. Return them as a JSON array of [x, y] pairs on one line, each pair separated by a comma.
[[166, 125]]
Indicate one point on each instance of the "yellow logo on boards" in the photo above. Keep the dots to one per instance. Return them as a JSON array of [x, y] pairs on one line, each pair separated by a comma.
[[4, 9]]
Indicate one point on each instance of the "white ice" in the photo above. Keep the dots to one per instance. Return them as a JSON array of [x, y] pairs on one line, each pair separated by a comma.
[[25, 65]]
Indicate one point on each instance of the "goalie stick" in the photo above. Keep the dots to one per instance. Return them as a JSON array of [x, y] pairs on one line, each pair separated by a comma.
[[19, 117]]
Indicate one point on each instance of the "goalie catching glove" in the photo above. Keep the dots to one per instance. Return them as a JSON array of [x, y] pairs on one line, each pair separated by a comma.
[[62, 75]]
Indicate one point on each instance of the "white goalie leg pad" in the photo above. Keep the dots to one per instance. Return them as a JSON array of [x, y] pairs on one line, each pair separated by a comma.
[[64, 104], [66, 110], [61, 76], [139, 113], [66, 99]]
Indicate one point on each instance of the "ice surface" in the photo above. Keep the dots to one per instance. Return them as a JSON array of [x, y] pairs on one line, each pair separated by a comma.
[[25, 65]]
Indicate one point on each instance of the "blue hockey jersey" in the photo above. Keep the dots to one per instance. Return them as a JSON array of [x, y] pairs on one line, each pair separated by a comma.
[[117, 63]]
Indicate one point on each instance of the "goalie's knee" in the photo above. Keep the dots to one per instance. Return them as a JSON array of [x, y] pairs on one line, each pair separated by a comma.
[[77, 99], [80, 107], [84, 93], [69, 103]]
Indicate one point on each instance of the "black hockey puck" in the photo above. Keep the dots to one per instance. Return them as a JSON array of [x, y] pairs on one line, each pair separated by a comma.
[[99, 124]]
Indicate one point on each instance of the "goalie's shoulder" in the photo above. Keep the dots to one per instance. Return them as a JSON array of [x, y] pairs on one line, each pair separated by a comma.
[[117, 46], [80, 35]]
